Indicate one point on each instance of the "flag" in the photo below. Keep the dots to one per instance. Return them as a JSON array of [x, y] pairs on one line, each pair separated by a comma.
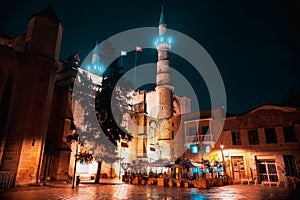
[[138, 48], [123, 53]]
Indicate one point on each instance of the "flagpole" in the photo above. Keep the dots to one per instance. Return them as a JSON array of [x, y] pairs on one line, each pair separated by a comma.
[[135, 62], [123, 54], [121, 60]]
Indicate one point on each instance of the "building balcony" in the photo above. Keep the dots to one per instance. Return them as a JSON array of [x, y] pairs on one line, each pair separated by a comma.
[[207, 139]]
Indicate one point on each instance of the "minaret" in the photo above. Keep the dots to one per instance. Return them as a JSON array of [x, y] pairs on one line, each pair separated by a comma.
[[95, 55], [164, 91], [94, 65]]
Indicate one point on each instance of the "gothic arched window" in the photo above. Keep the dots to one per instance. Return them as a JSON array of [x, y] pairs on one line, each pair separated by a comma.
[[125, 122], [152, 131]]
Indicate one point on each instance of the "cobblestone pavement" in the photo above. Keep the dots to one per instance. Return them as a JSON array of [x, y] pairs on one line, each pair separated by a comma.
[[128, 191]]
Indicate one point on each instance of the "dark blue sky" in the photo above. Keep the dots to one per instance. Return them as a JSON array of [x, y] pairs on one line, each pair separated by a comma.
[[255, 44]]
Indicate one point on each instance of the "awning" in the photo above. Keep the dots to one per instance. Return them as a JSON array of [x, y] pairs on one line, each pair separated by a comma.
[[196, 165], [174, 166], [190, 164], [159, 163]]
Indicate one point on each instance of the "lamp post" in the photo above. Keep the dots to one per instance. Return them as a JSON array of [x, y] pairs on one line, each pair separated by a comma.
[[120, 165], [223, 160], [74, 174]]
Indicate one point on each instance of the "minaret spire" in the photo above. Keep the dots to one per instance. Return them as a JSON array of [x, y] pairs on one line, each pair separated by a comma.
[[163, 45], [95, 55], [162, 17]]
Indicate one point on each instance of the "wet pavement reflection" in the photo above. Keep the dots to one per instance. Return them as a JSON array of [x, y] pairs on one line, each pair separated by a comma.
[[127, 191]]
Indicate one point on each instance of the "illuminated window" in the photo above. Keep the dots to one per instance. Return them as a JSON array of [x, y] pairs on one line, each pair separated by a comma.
[[236, 138], [194, 149], [125, 122], [270, 135], [207, 149], [289, 134], [253, 136]]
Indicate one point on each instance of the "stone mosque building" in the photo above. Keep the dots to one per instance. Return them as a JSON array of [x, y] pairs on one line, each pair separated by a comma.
[[148, 118]]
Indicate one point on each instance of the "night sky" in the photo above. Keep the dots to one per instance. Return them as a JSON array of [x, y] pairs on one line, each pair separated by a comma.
[[255, 44]]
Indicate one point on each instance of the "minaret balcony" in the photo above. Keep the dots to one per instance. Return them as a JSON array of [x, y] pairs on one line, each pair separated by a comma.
[[164, 42]]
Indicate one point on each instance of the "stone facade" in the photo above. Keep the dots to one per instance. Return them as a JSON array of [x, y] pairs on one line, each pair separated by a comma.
[[150, 133], [33, 101], [260, 145], [56, 162], [265, 141]]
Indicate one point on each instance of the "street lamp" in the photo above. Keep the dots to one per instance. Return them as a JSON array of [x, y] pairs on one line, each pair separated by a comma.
[[76, 154], [120, 164], [223, 160]]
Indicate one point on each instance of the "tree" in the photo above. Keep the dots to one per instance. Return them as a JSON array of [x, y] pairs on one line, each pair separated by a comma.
[[87, 123], [94, 101], [111, 105]]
